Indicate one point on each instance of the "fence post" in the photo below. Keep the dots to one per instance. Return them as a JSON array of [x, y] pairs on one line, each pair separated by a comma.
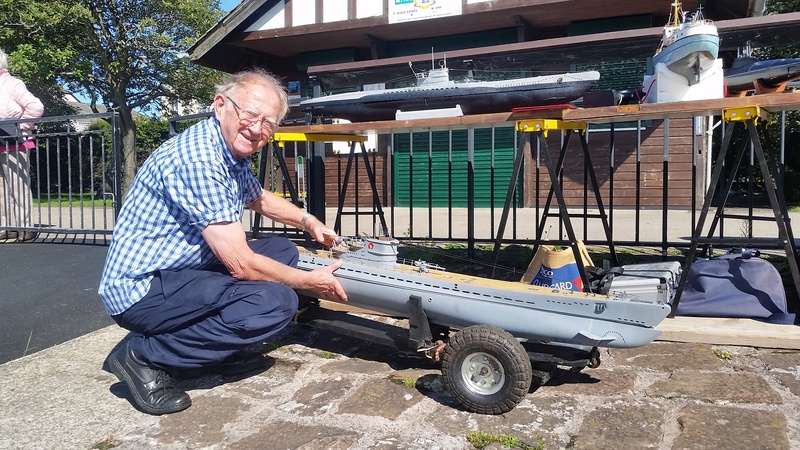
[[116, 157]]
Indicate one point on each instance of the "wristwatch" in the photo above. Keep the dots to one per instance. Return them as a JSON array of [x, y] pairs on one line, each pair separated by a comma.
[[303, 221]]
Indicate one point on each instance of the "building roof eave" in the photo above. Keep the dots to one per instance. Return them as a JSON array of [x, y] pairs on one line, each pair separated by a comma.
[[637, 43], [213, 40]]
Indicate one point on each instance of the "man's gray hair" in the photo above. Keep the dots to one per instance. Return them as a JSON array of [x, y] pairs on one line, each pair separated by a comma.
[[256, 76]]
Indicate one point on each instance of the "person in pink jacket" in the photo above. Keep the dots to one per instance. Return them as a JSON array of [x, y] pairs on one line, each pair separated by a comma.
[[16, 102]]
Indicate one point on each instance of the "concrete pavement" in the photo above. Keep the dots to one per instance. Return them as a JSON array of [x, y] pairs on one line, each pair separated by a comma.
[[326, 391]]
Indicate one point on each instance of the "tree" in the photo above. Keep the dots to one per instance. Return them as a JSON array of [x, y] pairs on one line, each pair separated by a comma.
[[124, 54], [792, 119]]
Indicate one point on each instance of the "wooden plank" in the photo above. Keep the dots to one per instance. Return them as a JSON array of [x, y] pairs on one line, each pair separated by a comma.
[[363, 328], [441, 123], [703, 330], [651, 111], [606, 114], [346, 307], [728, 331]]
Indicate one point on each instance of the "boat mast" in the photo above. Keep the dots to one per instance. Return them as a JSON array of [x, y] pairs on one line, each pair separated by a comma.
[[675, 15], [672, 26]]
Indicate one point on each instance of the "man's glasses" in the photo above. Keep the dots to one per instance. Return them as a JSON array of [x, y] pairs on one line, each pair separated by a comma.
[[247, 119]]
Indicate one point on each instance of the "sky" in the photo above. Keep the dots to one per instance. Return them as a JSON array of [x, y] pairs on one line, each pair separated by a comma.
[[228, 5]]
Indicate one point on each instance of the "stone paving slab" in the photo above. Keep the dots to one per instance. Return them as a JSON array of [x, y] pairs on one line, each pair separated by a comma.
[[325, 391]]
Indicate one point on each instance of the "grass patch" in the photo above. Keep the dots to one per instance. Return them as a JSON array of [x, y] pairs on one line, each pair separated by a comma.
[[480, 440], [86, 200], [409, 383], [107, 444], [28, 345], [722, 354]]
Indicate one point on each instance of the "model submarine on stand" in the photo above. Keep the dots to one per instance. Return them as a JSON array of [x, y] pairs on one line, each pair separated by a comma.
[[436, 91], [486, 331], [748, 73]]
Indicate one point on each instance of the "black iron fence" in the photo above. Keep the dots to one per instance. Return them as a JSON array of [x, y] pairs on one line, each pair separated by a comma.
[[437, 186], [63, 176]]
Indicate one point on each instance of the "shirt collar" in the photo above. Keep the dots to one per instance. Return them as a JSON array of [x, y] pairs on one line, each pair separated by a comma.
[[227, 156]]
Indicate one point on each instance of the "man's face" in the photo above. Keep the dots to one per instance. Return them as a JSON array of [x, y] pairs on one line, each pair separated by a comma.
[[248, 117]]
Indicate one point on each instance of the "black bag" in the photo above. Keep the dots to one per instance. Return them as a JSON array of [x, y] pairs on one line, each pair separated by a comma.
[[738, 284], [10, 134]]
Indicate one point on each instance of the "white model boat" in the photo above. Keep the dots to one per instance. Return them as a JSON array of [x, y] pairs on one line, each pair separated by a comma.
[[435, 90], [689, 45]]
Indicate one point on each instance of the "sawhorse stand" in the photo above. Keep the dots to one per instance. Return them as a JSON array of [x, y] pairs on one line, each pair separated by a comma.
[[376, 199], [773, 184], [540, 128], [280, 139]]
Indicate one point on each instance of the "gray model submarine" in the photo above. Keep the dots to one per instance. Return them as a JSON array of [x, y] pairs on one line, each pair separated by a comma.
[[374, 279]]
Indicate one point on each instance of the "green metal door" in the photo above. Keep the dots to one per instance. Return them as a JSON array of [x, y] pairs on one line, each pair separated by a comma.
[[431, 168]]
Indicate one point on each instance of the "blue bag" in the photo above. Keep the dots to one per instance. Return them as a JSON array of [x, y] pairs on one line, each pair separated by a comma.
[[738, 284]]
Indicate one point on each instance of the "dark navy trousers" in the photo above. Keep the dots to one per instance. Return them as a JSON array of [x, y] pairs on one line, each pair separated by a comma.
[[193, 318]]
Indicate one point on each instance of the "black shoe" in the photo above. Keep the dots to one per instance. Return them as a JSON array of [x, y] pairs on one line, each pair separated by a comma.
[[236, 364], [152, 389]]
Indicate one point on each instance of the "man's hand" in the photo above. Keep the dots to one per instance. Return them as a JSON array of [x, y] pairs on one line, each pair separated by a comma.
[[322, 282], [321, 233]]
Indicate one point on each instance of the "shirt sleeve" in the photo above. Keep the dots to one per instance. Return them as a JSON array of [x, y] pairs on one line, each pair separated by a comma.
[[252, 189]]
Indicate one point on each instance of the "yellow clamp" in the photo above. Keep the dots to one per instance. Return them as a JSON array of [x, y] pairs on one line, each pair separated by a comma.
[[281, 137], [744, 113], [545, 125]]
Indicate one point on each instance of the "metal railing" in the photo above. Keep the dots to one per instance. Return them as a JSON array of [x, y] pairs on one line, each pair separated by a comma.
[[75, 185], [651, 195], [70, 172]]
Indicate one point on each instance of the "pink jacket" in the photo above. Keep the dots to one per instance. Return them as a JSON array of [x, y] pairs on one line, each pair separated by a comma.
[[16, 102]]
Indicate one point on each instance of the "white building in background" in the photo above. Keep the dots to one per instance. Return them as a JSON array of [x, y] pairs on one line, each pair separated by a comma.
[[177, 108], [83, 108]]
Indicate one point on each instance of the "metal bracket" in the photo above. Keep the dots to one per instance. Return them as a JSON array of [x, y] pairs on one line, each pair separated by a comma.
[[744, 113], [281, 137], [545, 125], [419, 328]]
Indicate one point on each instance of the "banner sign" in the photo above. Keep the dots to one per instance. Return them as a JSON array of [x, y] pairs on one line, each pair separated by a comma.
[[410, 10]]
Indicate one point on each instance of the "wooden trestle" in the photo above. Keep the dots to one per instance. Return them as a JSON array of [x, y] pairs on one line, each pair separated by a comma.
[[745, 110]]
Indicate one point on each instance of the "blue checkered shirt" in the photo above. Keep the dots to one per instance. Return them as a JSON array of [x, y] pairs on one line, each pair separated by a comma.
[[189, 182]]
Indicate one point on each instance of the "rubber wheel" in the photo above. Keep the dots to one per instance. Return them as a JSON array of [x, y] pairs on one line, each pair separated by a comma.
[[486, 369]]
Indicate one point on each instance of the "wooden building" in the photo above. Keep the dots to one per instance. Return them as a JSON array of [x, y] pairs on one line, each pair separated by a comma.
[[346, 44]]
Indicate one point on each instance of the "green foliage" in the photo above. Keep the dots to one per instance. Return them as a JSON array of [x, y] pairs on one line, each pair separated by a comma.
[[480, 440], [770, 134], [782, 6], [150, 133], [722, 354], [124, 54], [121, 53], [781, 51]]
